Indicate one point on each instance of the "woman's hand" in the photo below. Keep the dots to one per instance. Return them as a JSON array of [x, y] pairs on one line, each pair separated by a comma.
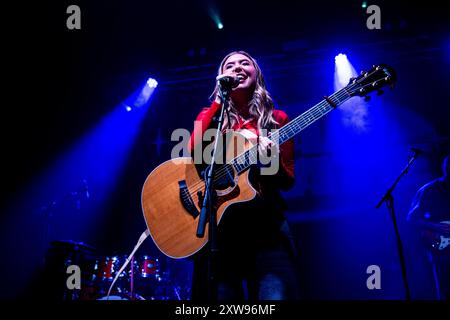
[[264, 145]]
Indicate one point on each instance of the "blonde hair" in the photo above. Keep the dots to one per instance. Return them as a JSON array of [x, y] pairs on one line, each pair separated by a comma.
[[260, 106]]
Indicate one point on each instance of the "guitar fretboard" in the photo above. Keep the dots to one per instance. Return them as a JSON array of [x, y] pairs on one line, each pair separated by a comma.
[[295, 126]]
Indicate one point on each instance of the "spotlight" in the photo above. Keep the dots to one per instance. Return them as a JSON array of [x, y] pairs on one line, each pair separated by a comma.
[[354, 112], [141, 98], [340, 59], [343, 71], [364, 5], [152, 83], [128, 108], [214, 15]]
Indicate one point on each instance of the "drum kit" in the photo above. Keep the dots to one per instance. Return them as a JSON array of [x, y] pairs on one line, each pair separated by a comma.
[[144, 278]]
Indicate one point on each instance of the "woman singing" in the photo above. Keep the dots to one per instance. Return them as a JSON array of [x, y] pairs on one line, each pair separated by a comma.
[[256, 254]]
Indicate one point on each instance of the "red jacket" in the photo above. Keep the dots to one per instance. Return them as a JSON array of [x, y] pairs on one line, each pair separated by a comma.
[[264, 184]]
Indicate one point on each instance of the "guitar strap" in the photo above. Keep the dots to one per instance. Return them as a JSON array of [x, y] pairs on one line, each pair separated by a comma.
[[142, 238]]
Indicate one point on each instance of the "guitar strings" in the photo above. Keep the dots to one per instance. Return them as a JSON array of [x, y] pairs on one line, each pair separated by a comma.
[[300, 123], [297, 122], [199, 186], [322, 108]]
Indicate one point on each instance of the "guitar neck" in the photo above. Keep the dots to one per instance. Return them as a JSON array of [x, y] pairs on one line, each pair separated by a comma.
[[442, 227], [294, 127]]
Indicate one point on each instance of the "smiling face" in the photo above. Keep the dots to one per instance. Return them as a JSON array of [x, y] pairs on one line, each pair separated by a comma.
[[240, 65]]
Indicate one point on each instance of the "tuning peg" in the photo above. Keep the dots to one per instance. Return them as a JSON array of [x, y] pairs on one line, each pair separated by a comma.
[[366, 98], [380, 92], [363, 73]]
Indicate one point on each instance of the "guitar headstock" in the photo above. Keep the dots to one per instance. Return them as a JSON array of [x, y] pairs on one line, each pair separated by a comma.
[[373, 80]]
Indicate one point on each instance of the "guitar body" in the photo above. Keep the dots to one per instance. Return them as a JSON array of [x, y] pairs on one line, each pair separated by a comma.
[[171, 221]]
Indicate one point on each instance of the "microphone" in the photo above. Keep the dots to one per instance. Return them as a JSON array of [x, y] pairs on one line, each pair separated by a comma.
[[86, 189], [229, 82]]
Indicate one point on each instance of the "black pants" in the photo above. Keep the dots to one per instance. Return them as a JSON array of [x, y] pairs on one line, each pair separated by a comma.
[[249, 268]]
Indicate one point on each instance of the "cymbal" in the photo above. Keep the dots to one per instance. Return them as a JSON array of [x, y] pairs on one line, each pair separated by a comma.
[[73, 245]]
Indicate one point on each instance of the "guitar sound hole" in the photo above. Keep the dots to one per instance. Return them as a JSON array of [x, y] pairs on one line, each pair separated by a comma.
[[224, 177]]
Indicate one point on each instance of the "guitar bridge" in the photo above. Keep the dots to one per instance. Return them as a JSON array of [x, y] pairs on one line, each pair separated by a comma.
[[186, 199]]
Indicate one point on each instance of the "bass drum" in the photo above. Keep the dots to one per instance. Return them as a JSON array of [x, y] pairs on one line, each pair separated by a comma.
[[121, 296], [114, 297]]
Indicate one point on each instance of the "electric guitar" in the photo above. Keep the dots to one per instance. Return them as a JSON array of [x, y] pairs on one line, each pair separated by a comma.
[[436, 236], [172, 193]]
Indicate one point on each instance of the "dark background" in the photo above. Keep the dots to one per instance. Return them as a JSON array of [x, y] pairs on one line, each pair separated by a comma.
[[61, 83]]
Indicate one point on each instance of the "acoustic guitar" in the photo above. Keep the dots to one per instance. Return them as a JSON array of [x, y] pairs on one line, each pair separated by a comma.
[[172, 193]]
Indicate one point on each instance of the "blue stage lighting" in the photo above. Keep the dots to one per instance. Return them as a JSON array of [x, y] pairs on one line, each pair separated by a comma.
[[340, 58], [152, 83]]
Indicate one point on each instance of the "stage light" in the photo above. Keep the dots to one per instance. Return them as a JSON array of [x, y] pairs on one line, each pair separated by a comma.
[[152, 83], [343, 71], [354, 112], [141, 97], [340, 58], [214, 15], [364, 5], [128, 108]]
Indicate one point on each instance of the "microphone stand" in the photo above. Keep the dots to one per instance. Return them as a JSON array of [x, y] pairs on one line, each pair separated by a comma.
[[208, 210], [389, 199], [49, 211]]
